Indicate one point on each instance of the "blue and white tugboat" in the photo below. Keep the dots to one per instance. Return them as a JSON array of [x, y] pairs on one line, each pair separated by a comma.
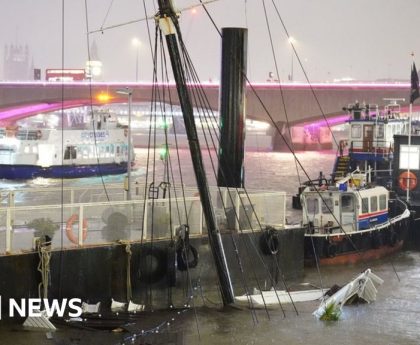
[[352, 217], [98, 146], [352, 220]]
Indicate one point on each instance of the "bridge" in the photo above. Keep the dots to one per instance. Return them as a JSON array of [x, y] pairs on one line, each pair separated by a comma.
[[304, 103]]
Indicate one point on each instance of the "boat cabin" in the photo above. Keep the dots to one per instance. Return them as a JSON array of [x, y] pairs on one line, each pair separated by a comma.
[[350, 205], [371, 132]]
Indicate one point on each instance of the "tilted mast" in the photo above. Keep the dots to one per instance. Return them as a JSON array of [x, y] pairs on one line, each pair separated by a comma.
[[168, 22]]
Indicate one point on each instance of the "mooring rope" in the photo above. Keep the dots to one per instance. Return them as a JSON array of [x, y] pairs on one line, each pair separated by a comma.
[[128, 266], [44, 252]]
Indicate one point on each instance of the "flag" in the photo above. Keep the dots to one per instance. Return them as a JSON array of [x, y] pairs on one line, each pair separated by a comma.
[[414, 94]]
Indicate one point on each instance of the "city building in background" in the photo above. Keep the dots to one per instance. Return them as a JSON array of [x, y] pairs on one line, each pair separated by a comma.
[[16, 62]]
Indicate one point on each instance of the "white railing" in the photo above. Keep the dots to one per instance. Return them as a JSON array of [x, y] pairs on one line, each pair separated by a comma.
[[100, 221]]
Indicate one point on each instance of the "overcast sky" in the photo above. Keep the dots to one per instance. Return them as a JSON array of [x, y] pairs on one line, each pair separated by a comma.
[[362, 39]]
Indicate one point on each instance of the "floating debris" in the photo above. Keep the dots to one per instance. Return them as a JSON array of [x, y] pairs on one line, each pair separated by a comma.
[[362, 286]]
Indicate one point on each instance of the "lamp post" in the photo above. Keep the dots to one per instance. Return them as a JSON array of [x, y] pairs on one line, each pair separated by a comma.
[[136, 43], [292, 42], [129, 93]]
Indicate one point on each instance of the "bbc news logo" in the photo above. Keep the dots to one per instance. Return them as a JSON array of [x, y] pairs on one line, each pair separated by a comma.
[[31, 307]]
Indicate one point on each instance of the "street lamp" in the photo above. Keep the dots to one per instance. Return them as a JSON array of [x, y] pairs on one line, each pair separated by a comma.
[[128, 92], [136, 43], [292, 42]]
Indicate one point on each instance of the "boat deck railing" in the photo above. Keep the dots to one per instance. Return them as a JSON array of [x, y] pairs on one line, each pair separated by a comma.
[[83, 217]]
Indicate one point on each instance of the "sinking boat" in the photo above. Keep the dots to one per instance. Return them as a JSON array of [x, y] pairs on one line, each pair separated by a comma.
[[363, 286], [275, 298]]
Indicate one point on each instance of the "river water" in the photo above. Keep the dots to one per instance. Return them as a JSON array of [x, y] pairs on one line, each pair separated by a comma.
[[393, 319]]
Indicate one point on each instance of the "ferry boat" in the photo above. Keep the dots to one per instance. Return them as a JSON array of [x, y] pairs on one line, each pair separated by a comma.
[[352, 220], [96, 147]]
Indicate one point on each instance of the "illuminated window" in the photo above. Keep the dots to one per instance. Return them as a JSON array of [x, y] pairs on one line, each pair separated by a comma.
[[365, 205], [380, 131], [313, 205], [347, 203], [356, 131], [409, 157], [382, 202], [373, 203]]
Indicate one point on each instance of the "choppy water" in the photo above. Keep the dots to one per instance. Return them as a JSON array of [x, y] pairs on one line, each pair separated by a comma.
[[393, 319]]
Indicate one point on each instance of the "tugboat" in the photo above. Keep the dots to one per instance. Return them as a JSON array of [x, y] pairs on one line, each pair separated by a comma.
[[351, 221], [353, 217]]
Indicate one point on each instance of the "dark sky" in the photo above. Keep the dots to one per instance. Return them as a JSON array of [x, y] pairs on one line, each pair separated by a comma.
[[362, 39]]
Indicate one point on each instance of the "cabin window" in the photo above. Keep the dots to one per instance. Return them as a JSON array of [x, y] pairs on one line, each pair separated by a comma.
[[356, 131], [347, 203], [70, 152], [365, 205], [380, 131], [117, 148], [112, 148], [327, 205], [373, 203], [382, 202], [409, 157], [312, 205]]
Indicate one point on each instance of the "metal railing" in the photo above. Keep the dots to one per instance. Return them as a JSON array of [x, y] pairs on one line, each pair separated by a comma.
[[99, 221]]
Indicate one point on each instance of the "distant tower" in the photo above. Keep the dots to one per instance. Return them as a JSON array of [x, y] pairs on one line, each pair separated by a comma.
[[94, 65], [16, 62]]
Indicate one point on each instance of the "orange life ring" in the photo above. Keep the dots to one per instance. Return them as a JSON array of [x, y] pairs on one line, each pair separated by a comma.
[[69, 228], [407, 180]]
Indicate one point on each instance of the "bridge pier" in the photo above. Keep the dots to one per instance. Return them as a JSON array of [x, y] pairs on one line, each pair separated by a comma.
[[303, 138]]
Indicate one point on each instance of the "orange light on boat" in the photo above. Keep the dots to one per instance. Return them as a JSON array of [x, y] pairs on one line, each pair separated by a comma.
[[103, 97]]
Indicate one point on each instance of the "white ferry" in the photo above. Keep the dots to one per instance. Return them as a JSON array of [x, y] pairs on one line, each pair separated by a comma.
[[98, 147]]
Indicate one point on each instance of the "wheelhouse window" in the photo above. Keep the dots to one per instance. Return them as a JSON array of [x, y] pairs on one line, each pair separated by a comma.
[[365, 205], [380, 131], [356, 131], [312, 205], [409, 157], [382, 202], [347, 203], [373, 203], [70, 152], [327, 205]]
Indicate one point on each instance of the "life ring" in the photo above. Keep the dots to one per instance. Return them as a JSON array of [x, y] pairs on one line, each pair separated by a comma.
[[407, 180], [269, 241], [152, 264], [69, 228], [183, 257]]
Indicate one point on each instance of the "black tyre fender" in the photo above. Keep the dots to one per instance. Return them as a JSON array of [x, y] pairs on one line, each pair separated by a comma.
[[152, 265], [376, 240], [393, 238], [269, 241], [183, 257]]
